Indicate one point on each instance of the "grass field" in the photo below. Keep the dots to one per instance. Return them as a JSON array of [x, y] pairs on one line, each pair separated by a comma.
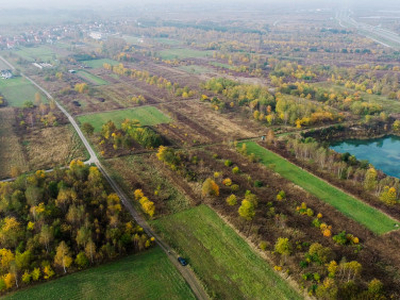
[[355, 209], [221, 65], [126, 168], [180, 53], [98, 63], [149, 275], [221, 258], [41, 54], [11, 152], [167, 41], [53, 146], [194, 69], [147, 115], [18, 90], [92, 78]]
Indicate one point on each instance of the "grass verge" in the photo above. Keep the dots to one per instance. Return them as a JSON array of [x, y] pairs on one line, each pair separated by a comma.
[[353, 208], [226, 264], [148, 275]]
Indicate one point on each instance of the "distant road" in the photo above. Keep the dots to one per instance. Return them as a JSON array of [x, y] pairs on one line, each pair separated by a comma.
[[380, 35], [186, 272]]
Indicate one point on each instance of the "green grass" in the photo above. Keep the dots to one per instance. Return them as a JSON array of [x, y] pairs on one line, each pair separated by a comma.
[[355, 209], [181, 53], [149, 275], [92, 78], [41, 54], [147, 115], [221, 65], [18, 90], [226, 264], [194, 69], [98, 63], [167, 41]]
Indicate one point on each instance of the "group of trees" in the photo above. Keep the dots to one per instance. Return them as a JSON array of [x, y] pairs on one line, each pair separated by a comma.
[[129, 134], [268, 108], [151, 79], [51, 222], [371, 82], [38, 112]]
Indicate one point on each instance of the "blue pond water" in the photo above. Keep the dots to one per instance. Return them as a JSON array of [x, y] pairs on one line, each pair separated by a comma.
[[383, 153]]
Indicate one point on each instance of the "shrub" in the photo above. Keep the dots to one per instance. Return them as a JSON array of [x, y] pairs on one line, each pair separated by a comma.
[[235, 170], [228, 163]]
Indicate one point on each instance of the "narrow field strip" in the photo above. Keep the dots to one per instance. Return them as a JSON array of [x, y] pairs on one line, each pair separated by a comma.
[[147, 115], [148, 275], [226, 264], [92, 78], [353, 208]]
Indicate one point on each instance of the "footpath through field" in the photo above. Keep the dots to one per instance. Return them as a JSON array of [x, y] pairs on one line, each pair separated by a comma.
[[186, 272], [370, 217]]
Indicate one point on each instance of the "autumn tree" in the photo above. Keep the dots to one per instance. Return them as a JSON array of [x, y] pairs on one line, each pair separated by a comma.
[[87, 128], [10, 232], [283, 247], [370, 180], [46, 236], [90, 250], [62, 257], [231, 200], [210, 188]]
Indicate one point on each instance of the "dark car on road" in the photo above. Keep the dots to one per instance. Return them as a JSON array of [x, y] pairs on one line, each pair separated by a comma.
[[182, 261]]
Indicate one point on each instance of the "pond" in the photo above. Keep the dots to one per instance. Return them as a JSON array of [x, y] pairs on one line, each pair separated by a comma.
[[383, 153]]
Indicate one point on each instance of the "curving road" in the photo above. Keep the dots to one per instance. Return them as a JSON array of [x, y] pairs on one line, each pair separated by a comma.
[[186, 272]]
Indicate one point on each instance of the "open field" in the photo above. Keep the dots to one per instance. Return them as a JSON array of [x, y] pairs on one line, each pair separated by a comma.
[[98, 63], [181, 53], [53, 146], [147, 115], [150, 179], [149, 275], [355, 209], [11, 152], [222, 259], [92, 78], [195, 69], [167, 41], [41, 54], [221, 65], [18, 90]]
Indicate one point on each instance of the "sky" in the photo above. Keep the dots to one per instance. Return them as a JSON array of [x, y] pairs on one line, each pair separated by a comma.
[[40, 4]]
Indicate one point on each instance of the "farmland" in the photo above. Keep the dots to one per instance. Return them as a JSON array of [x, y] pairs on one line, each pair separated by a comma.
[[53, 146], [222, 260], [147, 275], [180, 53], [37, 54], [282, 219], [17, 91], [11, 152], [349, 206], [148, 115], [98, 63], [92, 78]]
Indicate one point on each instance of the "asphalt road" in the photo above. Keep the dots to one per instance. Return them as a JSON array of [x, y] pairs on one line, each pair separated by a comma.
[[186, 272]]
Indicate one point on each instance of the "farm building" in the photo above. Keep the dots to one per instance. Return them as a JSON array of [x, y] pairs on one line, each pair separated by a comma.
[[6, 74]]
